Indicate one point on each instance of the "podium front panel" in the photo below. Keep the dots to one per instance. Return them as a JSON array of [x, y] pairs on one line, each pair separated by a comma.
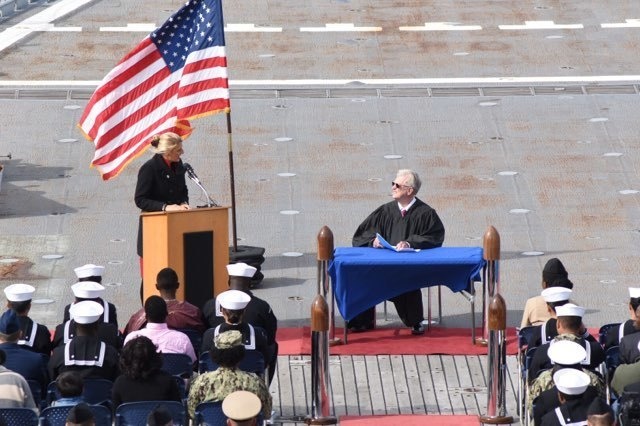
[[198, 267]]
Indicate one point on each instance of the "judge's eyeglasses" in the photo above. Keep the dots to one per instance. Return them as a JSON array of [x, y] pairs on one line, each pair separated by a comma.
[[399, 185]]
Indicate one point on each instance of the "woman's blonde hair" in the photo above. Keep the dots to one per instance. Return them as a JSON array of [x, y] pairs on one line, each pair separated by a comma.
[[165, 142]]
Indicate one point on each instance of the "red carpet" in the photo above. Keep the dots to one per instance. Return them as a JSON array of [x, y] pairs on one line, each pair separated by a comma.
[[392, 341], [404, 420]]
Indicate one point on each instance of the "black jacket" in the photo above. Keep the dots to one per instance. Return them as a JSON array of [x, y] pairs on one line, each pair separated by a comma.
[[157, 185]]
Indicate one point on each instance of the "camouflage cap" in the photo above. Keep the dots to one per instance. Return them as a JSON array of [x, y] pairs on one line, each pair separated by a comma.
[[228, 339]]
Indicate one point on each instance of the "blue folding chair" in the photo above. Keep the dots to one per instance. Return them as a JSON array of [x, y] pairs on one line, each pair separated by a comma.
[[36, 391], [57, 416], [194, 336], [19, 416], [210, 414], [177, 364], [524, 337], [602, 332], [252, 362], [136, 413], [94, 391], [611, 362]]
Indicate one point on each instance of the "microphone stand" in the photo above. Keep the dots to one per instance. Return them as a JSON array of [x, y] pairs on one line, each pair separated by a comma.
[[210, 201]]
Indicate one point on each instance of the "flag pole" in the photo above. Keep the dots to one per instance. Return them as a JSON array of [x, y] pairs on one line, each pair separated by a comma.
[[232, 183]]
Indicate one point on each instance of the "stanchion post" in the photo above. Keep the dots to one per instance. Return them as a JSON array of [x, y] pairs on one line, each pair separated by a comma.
[[325, 254], [496, 409], [320, 386], [490, 279]]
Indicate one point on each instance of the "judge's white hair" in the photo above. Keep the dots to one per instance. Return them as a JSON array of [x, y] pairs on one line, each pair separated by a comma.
[[413, 181]]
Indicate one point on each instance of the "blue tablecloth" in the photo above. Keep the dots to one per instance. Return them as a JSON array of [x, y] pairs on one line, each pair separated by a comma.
[[362, 277]]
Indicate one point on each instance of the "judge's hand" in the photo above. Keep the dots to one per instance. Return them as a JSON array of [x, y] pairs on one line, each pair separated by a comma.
[[402, 244], [376, 243], [176, 207]]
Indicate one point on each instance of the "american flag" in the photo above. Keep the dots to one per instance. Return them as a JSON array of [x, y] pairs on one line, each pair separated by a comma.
[[176, 73]]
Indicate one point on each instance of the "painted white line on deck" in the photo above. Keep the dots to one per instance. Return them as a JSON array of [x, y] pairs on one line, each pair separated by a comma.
[[365, 82], [46, 27], [338, 27], [541, 25], [54, 11], [133, 28], [442, 26], [250, 28], [628, 23]]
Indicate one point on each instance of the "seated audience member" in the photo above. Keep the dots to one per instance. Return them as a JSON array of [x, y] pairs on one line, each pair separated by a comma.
[[92, 274], [85, 353], [241, 408], [80, 415], [227, 352], [626, 374], [70, 386], [15, 389], [600, 413], [159, 416], [168, 341], [535, 309], [543, 394], [570, 327], [257, 312], [35, 337], [107, 331], [553, 297], [571, 385], [182, 314], [28, 364], [142, 378], [232, 305], [632, 325]]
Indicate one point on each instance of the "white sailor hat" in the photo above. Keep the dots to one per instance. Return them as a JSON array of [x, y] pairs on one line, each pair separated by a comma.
[[241, 405], [89, 270], [570, 310], [566, 352], [241, 270], [86, 312], [634, 292], [87, 289], [234, 299], [556, 294], [19, 292], [570, 381]]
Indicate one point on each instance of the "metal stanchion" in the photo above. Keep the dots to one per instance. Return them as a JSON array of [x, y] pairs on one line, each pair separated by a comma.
[[490, 279], [325, 254], [496, 409], [320, 387]]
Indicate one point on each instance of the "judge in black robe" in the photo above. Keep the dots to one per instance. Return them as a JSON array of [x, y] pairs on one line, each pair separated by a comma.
[[405, 222]]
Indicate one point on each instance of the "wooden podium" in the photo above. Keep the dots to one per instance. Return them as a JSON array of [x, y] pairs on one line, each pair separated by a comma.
[[194, 243]]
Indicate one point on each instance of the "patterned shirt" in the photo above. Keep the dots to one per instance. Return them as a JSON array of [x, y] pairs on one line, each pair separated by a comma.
[[15, 391], [216, 385]]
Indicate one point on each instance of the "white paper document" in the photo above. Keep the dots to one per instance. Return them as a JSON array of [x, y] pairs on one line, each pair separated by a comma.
[[386, 244]]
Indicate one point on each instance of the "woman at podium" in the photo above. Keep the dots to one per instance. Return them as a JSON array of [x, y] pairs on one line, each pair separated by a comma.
[[161, 182]]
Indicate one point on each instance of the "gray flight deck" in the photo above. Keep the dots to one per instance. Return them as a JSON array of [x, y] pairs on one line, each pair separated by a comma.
[[531, 129]]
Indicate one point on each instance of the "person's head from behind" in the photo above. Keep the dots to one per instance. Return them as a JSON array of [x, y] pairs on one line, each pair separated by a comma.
[[80, 415], [169, 145], [233, 304], [228, 349], [86, 315], [240, 275], [139, 359], [19, 298], [159, 416], [570, 384], [554, 271], [241, 408], [555, 296], [405, 186], [167, 281], [599, 413], [9, 327], [155, 308], [634, 304], [69, 384], [569, 319]]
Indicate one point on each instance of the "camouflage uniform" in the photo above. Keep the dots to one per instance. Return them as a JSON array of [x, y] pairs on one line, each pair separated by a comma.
[[216, 385]]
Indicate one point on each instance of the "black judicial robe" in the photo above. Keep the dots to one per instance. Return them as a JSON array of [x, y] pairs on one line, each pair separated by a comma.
[[421, 227]]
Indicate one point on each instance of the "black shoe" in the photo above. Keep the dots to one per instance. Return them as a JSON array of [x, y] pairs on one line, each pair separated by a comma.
[[418, 329]]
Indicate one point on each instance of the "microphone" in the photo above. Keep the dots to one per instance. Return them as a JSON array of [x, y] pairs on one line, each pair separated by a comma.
[[191, 174]]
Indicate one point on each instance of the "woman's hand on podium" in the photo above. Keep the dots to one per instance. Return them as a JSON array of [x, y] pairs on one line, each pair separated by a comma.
[[176, 207]]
